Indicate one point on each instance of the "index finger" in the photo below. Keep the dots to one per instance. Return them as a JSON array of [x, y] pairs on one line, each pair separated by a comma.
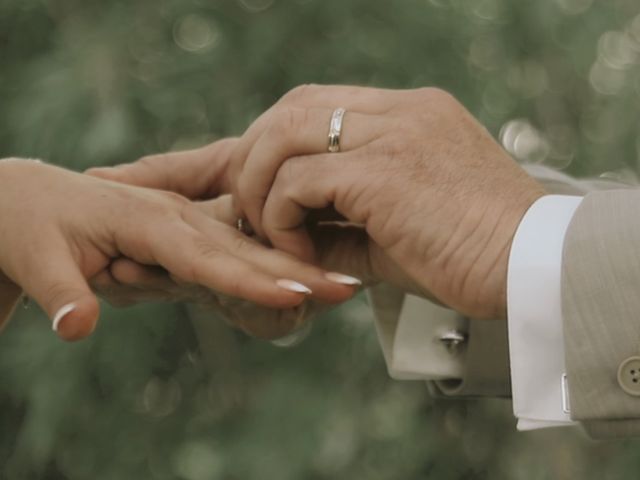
[[302, 184], [364, 100], [196, 174]]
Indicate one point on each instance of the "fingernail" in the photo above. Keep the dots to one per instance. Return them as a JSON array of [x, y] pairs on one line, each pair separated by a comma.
[[63, 312], [343, 279], [293, 286]]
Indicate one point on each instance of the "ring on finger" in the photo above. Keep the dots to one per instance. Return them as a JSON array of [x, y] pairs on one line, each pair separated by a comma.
[[242, 226], [335, 129]]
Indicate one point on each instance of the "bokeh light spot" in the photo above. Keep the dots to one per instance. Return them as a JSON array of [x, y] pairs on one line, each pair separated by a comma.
[[524, 142], [574, 7], [195, 33], [255, 6]]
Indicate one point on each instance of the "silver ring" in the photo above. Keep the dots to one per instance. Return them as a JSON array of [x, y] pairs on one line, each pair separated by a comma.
[[243, 226], [335, 129]]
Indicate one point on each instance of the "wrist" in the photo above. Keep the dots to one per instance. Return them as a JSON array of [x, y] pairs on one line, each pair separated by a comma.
[[15, 195], [488, 275]]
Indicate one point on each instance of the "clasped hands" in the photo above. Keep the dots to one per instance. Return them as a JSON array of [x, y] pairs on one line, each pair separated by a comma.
[[420, 196]]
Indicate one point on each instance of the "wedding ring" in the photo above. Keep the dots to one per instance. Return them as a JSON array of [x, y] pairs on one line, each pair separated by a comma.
[[335, 129], [243, 226]]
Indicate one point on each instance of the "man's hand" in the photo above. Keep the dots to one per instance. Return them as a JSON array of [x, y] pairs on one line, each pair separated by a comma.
[[437, 195]]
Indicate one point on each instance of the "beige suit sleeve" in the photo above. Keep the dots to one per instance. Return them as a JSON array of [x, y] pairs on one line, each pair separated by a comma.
[[601, 312], [483, 367]]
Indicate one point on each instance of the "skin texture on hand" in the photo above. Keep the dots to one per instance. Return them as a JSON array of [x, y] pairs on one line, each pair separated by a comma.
[[437, 195], [440, 200], [340, 249], [199, 174], [59, 228]]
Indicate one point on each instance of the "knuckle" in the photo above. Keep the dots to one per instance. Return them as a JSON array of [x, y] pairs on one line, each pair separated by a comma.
[[156, 165], [242, 244], [208, 249], [286, 173], [222, 151], [158, 210], [199, 271], [235, 285], [248, 202], [244, 193], [430, 92], [160, 205], [286, 121], [438, 96], [142, 240], [386, 148], [224, 145], [299, 92], [59, 293], [148, 161], [175, 199]]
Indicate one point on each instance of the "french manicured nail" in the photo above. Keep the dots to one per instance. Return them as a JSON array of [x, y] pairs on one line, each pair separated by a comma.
[[293, 286], [343, 279], [63, 312]]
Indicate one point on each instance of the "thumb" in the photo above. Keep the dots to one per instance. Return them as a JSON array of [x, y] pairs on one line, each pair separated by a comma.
[[344, 249], [63, 293], [195, 174], [348, 249]]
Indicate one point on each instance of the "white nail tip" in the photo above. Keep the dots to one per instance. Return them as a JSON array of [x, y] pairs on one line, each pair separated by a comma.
[[343, 279], [63, 312], [293, 286]]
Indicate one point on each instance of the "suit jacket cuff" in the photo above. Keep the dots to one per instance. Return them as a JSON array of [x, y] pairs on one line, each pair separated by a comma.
[[600, 301]]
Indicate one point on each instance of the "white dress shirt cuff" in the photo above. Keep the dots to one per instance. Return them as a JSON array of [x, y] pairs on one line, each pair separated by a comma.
[[534, 304], [409, 333]]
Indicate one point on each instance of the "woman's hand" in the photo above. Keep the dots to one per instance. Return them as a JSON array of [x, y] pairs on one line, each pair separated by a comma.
[[59, 228], [340, 248]]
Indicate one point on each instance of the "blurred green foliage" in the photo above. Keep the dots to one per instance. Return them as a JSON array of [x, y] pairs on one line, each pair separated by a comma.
[[89, 82]]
